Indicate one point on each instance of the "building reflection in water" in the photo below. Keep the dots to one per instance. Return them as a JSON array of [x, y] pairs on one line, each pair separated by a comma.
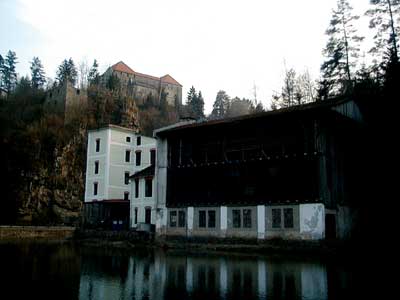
[[168, 276]]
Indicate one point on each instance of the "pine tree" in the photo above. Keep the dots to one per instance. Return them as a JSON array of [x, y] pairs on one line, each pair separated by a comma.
[[37, 73], [341, 50], [385, 17], [67, 71], [221, 105], [94, 76], [191, 96], [9, 72], [1, 71], [197, 105]]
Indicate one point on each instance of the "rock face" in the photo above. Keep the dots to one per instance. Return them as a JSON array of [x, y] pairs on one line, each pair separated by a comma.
[[54, 195]]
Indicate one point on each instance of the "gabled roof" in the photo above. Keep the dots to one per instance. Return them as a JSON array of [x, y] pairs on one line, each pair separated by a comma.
[[168, 79], [314, 107], [146, 172], [122, 67]]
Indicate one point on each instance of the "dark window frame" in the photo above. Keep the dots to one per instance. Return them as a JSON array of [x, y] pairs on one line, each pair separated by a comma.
[[136, 215], [148, 191], [96, 167], [173, 218], [126, 178], [95, 188], [97, 145], [137, 190], [288, 218], [276, 214], [126, 196], [247, 218], [211, 218], [152, 156], [138, 158], [236, 218], [127, 156], [181, 218], [138, 141], [128, 139], [202, 218]]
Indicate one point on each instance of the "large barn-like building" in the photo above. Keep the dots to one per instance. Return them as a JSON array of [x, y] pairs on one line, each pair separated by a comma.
[[291, 173]]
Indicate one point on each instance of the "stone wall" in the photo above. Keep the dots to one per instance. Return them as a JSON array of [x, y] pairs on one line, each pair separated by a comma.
[[35, 232]]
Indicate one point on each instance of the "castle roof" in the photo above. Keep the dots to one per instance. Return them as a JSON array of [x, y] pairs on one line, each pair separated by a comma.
[[168, 79], [124, 68]]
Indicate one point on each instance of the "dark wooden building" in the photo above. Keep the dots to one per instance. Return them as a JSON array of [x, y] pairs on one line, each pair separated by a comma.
[[254, 175]]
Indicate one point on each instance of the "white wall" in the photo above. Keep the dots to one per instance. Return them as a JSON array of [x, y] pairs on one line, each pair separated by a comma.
[[312, 221], [142, 202], [112, 165], [93, 156]]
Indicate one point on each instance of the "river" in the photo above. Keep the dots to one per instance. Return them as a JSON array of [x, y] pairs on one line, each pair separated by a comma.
[[67, 271]]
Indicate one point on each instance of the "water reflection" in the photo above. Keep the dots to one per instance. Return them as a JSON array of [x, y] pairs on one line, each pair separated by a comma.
[[171, 276], [50, 271]]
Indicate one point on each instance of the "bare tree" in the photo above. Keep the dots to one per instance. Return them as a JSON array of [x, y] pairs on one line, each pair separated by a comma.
[[83, 73]]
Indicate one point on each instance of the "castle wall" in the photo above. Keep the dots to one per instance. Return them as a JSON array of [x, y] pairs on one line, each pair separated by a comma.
[[140, 86]]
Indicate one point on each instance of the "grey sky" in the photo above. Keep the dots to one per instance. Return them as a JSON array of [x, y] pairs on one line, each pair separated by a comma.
[[213, 45]]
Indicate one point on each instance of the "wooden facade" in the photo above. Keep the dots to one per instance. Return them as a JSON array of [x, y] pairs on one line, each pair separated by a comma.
[[303, 154]]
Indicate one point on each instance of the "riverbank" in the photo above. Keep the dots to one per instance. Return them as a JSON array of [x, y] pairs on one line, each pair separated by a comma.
[[131, 240], [36, 232]]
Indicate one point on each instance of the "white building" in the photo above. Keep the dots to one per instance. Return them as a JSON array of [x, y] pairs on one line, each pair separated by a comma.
[[114, 153], [143, 200]]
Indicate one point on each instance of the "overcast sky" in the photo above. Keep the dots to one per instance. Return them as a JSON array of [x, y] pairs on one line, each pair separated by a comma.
[[212, 45]]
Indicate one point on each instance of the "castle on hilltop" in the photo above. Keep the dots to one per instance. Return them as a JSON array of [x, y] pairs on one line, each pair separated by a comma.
[[64, 97], [141, 87]]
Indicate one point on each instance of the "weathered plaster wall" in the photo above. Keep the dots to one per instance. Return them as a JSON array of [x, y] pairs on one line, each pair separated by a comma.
[[312, 221]]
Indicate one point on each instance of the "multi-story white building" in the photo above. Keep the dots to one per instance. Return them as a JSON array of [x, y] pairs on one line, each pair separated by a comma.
[[114, 154], [143, 201]]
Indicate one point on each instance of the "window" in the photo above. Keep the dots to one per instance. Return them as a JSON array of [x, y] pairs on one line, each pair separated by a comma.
[[236, 218], [128, 139], [147, 215], [138, 140], [136, 214], [138, 158], [172, 219], [247, 218], [153, 157], [137, 188], [276, 218], [126, 196], [288, 217], [95, 187], [202, 219], [181, 219], [96, 167], [211, 219], [149, 187], [97, 145], [126, 180], [127, 156]]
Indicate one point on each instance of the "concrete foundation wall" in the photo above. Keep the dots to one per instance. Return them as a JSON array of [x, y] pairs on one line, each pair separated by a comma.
[[308, 222]]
